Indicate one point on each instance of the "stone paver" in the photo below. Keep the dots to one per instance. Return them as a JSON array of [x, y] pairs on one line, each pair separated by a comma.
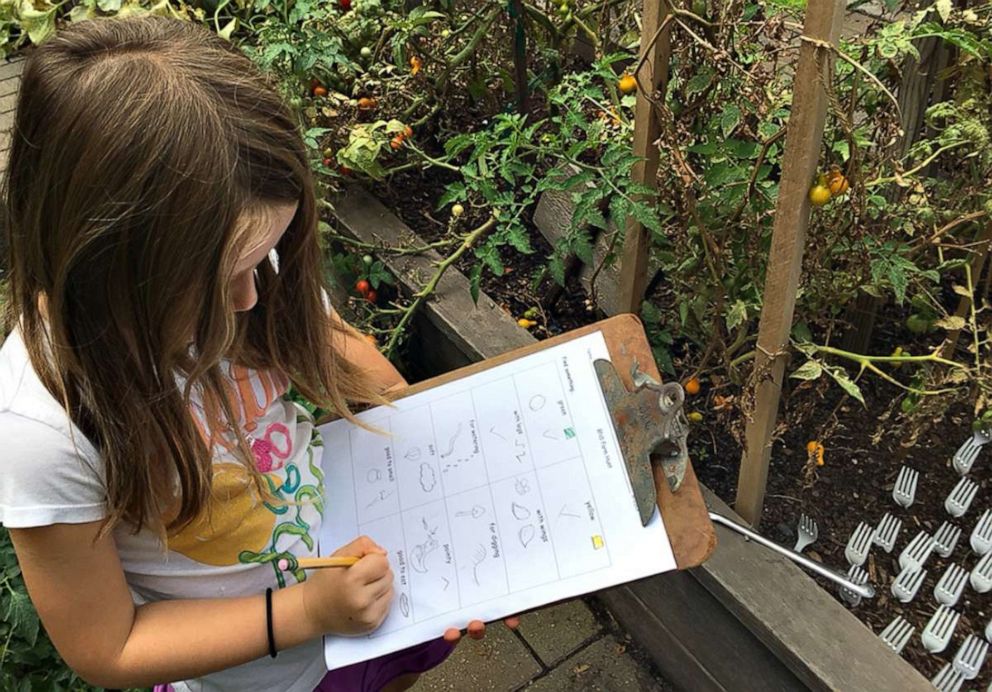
[[553, 633], [603, 665], [500, 662]]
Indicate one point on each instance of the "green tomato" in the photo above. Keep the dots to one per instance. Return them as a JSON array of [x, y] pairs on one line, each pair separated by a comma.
[[917, 324], [366, 52], [367, 259]]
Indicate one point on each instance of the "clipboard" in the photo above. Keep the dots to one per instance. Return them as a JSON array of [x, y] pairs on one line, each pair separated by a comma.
[[684, 512]]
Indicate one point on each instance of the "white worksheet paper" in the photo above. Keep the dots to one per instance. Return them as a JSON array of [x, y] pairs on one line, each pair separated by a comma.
[[493, 494]]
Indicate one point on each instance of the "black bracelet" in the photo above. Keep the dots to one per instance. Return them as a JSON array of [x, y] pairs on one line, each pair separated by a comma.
[[268, 622]]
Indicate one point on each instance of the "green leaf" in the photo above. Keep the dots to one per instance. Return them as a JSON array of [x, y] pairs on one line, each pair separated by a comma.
[[846, 383], [810, 370], [951, 323], [22, 617], [736, 314], [943, 8], [730, 119]]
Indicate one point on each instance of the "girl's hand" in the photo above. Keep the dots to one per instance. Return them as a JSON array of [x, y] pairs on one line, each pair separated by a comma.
[[477, 629], [353, 600]]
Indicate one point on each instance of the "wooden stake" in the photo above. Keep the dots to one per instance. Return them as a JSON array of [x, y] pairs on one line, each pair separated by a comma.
[[653, 82], [799, 164]]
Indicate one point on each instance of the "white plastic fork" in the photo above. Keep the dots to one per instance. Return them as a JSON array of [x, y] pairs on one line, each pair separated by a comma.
[[887, 532], [946, 539], [904, 491], [915, 554], [970, 656], [806, 532], [948, 590], [937, 634], [959, 500], [948, 679], [981, 535], [859, 544], [858, 576], [965, 457], [907, 583], [981, 575], [897, 634]]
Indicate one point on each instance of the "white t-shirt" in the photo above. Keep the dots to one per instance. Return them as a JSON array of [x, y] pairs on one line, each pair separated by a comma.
[[45, 480]]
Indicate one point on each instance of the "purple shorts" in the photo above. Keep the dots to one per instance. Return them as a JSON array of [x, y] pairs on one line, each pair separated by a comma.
[[372, 676]]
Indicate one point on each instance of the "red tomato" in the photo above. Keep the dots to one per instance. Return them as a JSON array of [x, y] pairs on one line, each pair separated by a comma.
[[363, 286], [371, 296]]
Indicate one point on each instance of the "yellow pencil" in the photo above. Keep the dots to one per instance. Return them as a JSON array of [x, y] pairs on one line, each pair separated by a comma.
[[294, 563]]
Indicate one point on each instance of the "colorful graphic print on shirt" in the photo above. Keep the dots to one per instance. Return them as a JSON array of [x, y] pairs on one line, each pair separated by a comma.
[[238, 524]]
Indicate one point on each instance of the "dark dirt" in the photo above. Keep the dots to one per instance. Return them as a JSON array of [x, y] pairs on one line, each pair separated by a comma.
[[865, 447]]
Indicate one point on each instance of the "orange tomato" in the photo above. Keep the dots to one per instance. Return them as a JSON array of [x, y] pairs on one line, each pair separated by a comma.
[[396, 142], [320, 91], [627, 84], [366, 103], [692, 386]]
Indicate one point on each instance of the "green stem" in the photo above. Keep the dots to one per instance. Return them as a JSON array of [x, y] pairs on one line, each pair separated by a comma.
[[860, 358], [469, 240], [926, 162]]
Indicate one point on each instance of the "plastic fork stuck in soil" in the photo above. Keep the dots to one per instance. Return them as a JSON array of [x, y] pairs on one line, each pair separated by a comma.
[[858, 576], [904, 491], [897, 634], [948, 590], [948, 679], [937, 634], [981, 575], [859, 544], [916, 552], [969, 658], [946, 539], [959, 500], [981, 535], [965, 457], [806, 532], [907, 583], [887, 532]]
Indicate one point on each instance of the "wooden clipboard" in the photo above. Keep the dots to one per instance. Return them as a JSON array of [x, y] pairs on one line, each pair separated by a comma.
[[684, 513]]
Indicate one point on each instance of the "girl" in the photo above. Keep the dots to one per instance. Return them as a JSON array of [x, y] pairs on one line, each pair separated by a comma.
[[165, 290]]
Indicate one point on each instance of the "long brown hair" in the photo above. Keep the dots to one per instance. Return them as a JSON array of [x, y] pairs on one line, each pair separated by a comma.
[[140, 148]]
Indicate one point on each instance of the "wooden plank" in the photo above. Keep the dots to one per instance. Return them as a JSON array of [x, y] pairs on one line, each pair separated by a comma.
[[697, 643], [799, 163], [820, 640], [653, 75]]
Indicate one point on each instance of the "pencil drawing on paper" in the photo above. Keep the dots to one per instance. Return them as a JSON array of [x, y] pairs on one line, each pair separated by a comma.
[[521, 486], [526, 534], [476, 512], [421, 551], [520, 512], [373, 476], [405, 605], [412, 454], [550, 434], [478, 557], [566, 512], [446, 583], [451, 442], [428, 477], [492, 431], [379, 497], [537, 402]]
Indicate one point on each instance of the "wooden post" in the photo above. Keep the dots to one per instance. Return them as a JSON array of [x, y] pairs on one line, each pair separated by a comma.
[[799, 164], [519, 53], [653, 81]]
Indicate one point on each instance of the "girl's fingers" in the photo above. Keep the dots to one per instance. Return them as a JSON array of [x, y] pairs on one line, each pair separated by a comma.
[[452, 635], [476, 629], [513, 622]]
